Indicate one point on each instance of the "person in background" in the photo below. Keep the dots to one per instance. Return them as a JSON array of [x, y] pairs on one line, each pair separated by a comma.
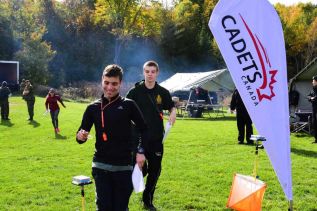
[[114, 156], [152, 99], [51, 106], [28, 96], [244, 122], [4, 100], [22, 85], [312, 97]]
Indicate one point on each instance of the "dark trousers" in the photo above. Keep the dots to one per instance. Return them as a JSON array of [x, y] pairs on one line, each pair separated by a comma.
[[244, 125], [153, 168], [4, 107], [315, 124], [54, 117], [30, 104], [113, 189]]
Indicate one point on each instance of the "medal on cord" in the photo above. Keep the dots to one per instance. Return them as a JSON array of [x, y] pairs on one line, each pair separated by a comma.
[[104, 135]]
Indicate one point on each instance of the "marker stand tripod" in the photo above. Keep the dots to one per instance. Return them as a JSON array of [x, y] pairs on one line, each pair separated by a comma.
[[82, 181]]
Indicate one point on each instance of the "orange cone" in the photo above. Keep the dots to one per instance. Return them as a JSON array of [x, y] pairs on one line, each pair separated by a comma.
[[246, 193]]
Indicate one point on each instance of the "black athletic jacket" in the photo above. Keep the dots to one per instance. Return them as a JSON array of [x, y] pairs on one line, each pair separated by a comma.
[[313, 93], [117, 115], [152, 102]]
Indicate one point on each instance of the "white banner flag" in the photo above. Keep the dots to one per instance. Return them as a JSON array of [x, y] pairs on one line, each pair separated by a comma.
[[250, 37]]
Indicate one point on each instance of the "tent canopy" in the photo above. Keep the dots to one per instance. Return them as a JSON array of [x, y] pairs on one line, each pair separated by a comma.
[[211, 81], [302, 82]]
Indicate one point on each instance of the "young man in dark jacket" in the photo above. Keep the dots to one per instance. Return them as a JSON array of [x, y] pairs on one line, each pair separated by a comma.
[[312, 97], [4, 101], [114, 148], [244, 122], [152, 99]]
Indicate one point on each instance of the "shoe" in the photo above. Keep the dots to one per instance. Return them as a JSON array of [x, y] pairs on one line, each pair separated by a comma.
[[57, 130], [149, 207], [240, 142], [250, 142], [30, 119]]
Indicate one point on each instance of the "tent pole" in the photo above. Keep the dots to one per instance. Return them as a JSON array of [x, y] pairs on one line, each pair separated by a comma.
[[290, 205]]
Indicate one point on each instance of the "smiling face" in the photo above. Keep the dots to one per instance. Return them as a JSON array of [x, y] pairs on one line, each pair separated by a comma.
[[110, 86]]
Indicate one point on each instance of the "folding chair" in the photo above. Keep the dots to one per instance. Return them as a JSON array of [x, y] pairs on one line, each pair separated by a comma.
[[303, 122]]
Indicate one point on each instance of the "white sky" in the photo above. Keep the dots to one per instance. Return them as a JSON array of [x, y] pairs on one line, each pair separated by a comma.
[[290, 2], [285, 2]]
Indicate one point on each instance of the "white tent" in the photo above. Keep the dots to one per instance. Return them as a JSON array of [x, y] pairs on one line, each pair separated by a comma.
[[302, 82], [217, 80]]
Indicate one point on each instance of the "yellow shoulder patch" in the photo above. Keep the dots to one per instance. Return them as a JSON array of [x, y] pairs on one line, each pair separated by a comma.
[[158, 99]]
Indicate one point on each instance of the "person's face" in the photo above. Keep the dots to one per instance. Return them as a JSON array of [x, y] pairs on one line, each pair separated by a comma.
[[51, 94], [314, 83], [150, 73], [111, 86]]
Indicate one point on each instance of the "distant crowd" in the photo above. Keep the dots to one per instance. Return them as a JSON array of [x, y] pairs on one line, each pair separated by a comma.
[[27, 92]]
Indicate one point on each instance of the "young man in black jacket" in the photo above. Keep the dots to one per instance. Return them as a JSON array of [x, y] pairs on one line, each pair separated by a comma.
[[114, 148], [312, 97], [152, 99]]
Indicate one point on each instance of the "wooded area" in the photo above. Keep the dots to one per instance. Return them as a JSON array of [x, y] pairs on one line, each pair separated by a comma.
[[59, 43]]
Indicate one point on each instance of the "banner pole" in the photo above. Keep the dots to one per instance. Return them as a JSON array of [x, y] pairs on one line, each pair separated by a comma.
[[290, 205], [256, 162], [83, 197]]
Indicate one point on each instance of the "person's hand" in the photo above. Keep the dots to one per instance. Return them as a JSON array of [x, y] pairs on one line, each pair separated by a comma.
[[140, 159], [172, 117], [82, 135]]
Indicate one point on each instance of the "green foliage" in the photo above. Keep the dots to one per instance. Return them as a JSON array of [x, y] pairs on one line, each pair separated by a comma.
[[200, 158], [34, 58], [79, 37], [33, 53], [6, 34], [300, 34]]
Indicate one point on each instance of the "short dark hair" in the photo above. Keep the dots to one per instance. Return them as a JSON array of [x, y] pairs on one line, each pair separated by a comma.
[[113, 70], [315, 77], [151, 63]]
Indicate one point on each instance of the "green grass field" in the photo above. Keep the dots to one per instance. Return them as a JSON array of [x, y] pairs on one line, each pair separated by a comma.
[[201, 156]]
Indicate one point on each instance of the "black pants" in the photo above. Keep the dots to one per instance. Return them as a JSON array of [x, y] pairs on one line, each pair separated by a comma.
[[244, 125], [113, 189], [4, 107], [30, 104], [154, 157], [315, 124], [54, 117]]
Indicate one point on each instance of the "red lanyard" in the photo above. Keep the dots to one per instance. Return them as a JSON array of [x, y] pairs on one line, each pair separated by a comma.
[[104, 135]]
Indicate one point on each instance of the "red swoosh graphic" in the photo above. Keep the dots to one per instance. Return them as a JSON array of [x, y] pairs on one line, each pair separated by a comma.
[[272, 73]]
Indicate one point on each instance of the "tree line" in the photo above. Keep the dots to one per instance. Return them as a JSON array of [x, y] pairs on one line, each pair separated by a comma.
[[63, 42]]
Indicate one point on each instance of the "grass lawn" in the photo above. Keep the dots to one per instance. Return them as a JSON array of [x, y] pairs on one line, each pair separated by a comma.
[[200, 158]]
